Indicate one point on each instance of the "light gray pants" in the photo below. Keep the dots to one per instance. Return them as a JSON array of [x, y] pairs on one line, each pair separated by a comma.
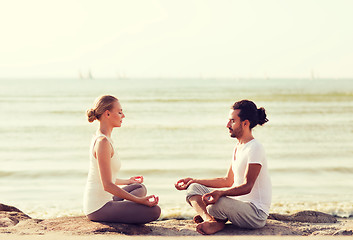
[[122, 211], [241, 214]]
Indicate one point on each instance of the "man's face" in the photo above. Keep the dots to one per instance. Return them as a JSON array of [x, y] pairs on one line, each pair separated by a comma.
[[234, 124]]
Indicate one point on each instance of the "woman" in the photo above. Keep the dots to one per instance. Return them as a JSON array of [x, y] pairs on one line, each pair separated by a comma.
[[104, 200]]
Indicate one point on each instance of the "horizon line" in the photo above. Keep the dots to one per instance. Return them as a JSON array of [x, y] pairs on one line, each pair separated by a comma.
[[169, 78]]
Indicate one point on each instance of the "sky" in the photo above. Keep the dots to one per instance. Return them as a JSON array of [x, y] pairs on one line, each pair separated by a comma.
[[176, 39]]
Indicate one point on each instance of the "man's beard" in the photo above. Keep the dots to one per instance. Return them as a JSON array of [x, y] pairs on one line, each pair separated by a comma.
[[236, 133]]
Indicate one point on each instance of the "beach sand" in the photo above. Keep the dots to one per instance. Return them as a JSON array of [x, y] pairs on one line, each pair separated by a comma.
[[16, 225], [57, 236]]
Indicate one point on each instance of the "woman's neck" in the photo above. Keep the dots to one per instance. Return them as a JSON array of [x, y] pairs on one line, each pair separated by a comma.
[[105, 130]]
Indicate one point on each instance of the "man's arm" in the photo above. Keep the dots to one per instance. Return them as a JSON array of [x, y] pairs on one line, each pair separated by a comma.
[[220, 182], [243, 189]]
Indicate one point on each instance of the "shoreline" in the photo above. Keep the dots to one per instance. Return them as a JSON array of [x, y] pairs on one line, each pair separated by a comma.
[[16, 224]]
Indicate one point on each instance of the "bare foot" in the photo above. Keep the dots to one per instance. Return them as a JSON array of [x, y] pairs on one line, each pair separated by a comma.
[[210, 227], [198, 219]]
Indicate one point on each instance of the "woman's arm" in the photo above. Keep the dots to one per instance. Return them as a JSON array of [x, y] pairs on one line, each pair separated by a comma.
[[119, 181], [136, 179], [103, 153]]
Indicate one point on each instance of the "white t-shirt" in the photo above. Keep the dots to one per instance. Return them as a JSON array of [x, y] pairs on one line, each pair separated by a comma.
[[261, 193], [95, 196]]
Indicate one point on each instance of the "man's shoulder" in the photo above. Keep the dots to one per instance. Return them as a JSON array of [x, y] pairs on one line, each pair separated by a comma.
[[255, 145]]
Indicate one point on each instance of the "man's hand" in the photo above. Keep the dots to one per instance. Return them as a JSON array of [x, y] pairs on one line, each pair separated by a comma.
[[184, 183], [212, 197]]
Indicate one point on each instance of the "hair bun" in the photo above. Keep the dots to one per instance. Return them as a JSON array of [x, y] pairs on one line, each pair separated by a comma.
[[261, 113], [91, 114], [102, 104]]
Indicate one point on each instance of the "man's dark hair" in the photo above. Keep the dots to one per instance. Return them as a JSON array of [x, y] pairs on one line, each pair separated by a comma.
[[249, 111]]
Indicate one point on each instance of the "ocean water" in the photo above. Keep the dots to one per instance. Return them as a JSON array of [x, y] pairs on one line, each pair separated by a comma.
[[175, 128]]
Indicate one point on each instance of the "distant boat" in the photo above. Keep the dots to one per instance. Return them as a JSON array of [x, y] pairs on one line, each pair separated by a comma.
[[86, 76], [121, 75], [90, 74]]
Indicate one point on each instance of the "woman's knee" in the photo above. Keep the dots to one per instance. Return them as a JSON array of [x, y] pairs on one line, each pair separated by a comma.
[[137, 187], [149, 214], [90, 217], [95, 216], [143, 188], [155, 213]]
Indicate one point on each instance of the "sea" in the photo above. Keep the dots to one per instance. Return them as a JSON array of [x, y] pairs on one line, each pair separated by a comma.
[[175, 128]]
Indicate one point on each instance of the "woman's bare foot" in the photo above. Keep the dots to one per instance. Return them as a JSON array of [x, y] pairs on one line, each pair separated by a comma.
[[198, 219], [210, 227]]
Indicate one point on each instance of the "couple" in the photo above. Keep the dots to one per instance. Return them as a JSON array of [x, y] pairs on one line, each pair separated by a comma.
[[243, 196]]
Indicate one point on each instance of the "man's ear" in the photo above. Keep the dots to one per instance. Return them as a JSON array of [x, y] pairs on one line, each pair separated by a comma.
[[246, 123]]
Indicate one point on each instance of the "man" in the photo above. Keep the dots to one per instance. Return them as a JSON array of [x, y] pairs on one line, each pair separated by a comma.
[[246, 195]]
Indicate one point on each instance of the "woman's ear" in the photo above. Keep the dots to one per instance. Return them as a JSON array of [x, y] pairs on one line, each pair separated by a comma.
[[107, 113]]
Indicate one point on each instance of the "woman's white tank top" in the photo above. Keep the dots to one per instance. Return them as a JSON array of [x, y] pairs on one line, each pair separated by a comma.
[[95, 197]]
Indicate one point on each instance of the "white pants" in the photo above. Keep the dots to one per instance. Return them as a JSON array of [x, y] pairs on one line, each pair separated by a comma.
[[241, 214]]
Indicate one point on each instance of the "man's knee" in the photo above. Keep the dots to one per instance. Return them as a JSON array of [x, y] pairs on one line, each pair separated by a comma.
[[197, 188], [194, 189], [215, 207], [259, 224], [218, 210]]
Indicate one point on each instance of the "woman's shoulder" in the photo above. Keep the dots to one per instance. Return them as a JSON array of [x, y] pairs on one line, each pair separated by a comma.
[[103, 146], [102, 140], [99, 137]]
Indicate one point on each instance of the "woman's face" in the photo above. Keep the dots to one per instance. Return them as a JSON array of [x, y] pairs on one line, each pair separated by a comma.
[[116, 115]]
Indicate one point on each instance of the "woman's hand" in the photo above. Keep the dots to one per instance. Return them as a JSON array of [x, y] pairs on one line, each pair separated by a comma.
[[184, 183], [136, 179], [149, 201], [212, 197]]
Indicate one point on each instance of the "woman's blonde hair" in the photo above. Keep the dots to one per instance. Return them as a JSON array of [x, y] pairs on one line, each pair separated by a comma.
[[102, 104]]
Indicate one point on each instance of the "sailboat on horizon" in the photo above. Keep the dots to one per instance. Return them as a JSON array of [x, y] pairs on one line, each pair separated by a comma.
[[86, 76]]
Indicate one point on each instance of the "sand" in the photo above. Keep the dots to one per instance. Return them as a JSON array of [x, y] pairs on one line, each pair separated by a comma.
[[56, 236], [15, 224]]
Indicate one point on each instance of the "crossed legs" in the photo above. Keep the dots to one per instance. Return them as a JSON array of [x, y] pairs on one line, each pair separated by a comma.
[[122, 211], [206, 223], [241, 214]]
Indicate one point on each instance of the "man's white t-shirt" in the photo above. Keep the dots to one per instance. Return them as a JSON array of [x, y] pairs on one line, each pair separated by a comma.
[[252, 152]]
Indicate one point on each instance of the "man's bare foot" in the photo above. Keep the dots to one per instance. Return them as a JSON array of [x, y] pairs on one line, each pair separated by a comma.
[[210, 227], [198, 219]]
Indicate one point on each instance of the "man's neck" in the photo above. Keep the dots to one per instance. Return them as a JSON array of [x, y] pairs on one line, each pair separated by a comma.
[[245, 138]]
